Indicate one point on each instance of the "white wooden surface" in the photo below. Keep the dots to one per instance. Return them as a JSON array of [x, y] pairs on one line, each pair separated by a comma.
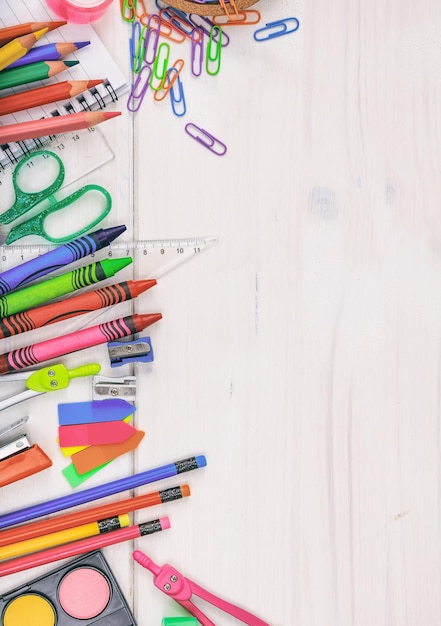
[[301, 352]]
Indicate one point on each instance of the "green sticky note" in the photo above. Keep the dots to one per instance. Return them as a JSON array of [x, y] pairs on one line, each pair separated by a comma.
[[74, 479]]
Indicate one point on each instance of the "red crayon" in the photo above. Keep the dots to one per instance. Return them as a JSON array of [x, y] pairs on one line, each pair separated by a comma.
[[114, 330], [71, 307]]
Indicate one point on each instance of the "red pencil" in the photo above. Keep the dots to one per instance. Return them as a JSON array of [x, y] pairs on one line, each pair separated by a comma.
[[45, 95], [53, 125], [82, 546], [12, 32]]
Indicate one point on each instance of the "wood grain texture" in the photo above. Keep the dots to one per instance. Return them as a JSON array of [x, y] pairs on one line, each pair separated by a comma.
[[210, 9], [301, 353]]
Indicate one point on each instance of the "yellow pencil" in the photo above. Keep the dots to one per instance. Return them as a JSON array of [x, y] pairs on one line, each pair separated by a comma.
[[63, 536], [18, 47]]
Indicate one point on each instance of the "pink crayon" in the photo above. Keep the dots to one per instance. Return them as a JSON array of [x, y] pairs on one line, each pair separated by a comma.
[[79, 340]]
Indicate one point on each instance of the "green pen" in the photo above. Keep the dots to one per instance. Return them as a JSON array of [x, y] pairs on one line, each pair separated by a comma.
[[46, 290], [33, 72]]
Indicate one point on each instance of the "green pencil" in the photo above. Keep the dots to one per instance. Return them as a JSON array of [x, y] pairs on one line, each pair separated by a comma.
[[33, 72], [46, 290]]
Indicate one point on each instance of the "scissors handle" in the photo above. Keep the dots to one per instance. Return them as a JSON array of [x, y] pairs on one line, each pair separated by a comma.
[[35, 225], [24, 200]]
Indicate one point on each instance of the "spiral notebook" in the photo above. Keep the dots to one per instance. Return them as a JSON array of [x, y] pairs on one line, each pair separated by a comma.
[[95, 62]]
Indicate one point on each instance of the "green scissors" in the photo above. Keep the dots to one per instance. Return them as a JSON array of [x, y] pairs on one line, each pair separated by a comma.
[[25, 201]]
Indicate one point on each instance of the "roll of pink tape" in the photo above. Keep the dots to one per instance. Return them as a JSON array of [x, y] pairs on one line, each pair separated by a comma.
[[79, 11]]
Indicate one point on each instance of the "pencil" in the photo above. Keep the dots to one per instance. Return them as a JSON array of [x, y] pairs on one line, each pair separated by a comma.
[[45, 95], [17, 48], [54, 125], [31, 73], [83, 545], [84, 516], [49, 52], [9, 33], [61, 537]]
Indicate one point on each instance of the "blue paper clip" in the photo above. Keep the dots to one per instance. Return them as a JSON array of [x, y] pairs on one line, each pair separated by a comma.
[[277, 29], [121, 352], [134, 41], [205, 139], [180, 98]]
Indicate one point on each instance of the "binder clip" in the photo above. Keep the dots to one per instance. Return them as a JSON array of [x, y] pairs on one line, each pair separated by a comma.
[[121, 352]]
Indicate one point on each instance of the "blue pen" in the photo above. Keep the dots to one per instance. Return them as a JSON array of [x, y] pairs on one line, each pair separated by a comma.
[[49, 52], [55, 259], [101, 491]]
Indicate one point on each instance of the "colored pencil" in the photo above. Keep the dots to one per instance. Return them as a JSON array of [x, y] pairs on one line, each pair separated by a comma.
[[28, 272], [116, 329], [85, 516], [101, 491], [9, 33], [45, 95], [52, 288], [32, 73], [83, 545], [54, 125], [61, 537], [50, 52], [17, 48], [73, 306]]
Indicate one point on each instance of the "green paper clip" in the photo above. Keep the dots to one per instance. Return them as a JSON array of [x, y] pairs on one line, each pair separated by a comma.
[[216, 45]]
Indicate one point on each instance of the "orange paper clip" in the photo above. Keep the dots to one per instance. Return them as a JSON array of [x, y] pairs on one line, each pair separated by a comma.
[[232, 15], [243, 18], [177, 68]]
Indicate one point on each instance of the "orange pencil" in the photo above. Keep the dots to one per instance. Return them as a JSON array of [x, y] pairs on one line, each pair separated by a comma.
[[9, 33], [53, 125], [84, 516], [17, 48], [45, 95]]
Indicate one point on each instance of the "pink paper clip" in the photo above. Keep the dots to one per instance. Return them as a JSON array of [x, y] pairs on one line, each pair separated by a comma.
[[197, 51], [139, 89], [202, 136], [177, 586]]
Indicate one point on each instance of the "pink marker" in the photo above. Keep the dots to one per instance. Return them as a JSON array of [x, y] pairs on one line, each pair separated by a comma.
[[80, 340]]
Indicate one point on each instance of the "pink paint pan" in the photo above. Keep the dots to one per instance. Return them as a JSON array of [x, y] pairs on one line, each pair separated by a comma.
[[84, 591]]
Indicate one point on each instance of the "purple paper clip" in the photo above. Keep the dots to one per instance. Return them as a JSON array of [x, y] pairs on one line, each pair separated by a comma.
[[139, 90], [151, 30], [180, 98], [277, 29], [197, 51], [202, 135], [202, 22]]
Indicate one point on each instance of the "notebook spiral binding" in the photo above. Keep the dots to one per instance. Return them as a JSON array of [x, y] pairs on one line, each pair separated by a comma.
[[90, 100]]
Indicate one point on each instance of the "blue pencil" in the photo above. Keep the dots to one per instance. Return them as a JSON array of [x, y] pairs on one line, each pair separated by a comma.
[[101, 491], [49, 52], [21, 275]]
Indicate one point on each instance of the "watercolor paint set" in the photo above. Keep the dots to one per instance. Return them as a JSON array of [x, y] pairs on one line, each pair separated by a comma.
[[83, 591]]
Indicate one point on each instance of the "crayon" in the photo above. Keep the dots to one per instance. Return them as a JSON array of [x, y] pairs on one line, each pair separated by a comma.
[[51, 288], [61, 537], [84, 516], [50, 52], [73, 306], [33, 73], [17, 48], [82, 546], [101, 491], [9, 33], [45, 95], [54, 125], [27, 272], [79, 340]]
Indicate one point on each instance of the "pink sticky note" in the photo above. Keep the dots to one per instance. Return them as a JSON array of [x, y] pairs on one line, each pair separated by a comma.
[[94, 434]]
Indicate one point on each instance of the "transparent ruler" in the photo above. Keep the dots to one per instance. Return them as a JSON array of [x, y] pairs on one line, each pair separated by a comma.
[[152, 257]]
